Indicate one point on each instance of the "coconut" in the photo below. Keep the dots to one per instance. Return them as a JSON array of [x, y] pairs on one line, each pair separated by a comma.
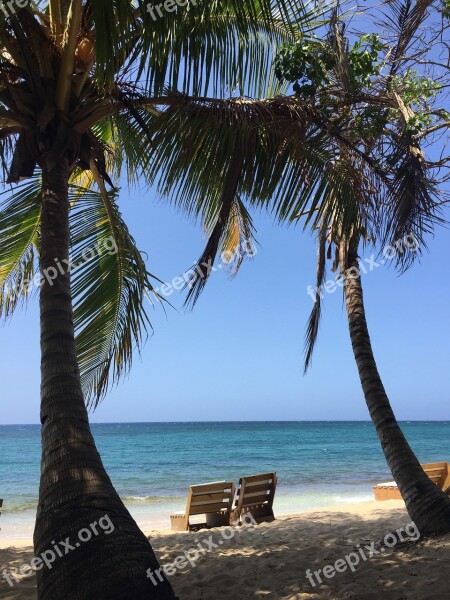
[[85, 50]]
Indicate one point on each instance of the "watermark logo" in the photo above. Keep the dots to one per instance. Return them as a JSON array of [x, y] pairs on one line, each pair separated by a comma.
[[203, 547], [58, 550], [157, 11], [64, 266], [365, 265], [245, 249], [363, 553], [10, 7]]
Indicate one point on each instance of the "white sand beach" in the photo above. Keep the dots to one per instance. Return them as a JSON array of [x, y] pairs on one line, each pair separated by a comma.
[[270, 560]]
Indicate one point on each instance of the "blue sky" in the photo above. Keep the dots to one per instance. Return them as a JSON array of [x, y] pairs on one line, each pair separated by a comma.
[[239, 355]]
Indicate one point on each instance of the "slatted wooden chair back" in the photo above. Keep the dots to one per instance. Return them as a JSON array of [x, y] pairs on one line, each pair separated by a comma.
[[214, 500], [438, 473], [255, 495]]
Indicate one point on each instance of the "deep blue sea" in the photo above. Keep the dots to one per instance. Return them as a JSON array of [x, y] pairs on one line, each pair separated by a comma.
[[152, 464]]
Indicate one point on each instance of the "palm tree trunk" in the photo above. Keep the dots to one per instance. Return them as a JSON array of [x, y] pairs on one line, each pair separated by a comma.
[[427, 505], [77, 500]]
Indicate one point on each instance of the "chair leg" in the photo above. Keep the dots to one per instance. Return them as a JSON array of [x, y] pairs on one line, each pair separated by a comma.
[[178, 523]]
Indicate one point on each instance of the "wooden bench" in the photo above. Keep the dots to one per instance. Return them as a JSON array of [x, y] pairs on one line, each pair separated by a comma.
[[438, 472], [255, 496], [214, 500]]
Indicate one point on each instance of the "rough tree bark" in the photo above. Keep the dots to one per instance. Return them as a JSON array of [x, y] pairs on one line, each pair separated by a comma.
[[75, 490], [427, 505]]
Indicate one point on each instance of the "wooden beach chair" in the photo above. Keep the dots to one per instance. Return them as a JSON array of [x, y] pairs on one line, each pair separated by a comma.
[[438, 472], [255, 495], [214, 500]]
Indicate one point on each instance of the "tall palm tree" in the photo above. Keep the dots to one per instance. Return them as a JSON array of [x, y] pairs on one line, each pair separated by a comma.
[[280, 154], [79, 80], [407, 220], [427, 505]]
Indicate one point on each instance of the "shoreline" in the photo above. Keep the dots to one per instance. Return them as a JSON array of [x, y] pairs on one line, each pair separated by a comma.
[[364, 510], [155, 516]]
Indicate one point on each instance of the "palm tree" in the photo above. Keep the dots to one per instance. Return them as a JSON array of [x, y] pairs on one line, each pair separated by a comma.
[[427, 505], [78, 83], [343, 151], [407, 220]]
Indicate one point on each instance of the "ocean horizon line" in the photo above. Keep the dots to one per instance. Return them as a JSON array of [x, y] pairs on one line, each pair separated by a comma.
[[224, 422]]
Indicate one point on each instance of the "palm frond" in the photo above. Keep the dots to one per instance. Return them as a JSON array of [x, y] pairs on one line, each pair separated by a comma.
[[288, 159], [116, 25], [287, 165], [20, 212], [239, 239], [132, 144], [110, 283], [314, 320], [412, 208], [6, 151], [339, 45], [194, 141], [219, 45], [404, 22], [221, 226]]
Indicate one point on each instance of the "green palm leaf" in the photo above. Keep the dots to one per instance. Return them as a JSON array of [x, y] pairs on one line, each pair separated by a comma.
[[287, 159], [110, 283], [219, 44], [20, 215], [312, 329], [286, 163]]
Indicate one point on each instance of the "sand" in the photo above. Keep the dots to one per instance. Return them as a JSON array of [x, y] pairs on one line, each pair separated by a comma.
[[270, 560]]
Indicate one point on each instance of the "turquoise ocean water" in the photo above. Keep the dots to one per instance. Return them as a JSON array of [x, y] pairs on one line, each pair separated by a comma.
[[152, 464]]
